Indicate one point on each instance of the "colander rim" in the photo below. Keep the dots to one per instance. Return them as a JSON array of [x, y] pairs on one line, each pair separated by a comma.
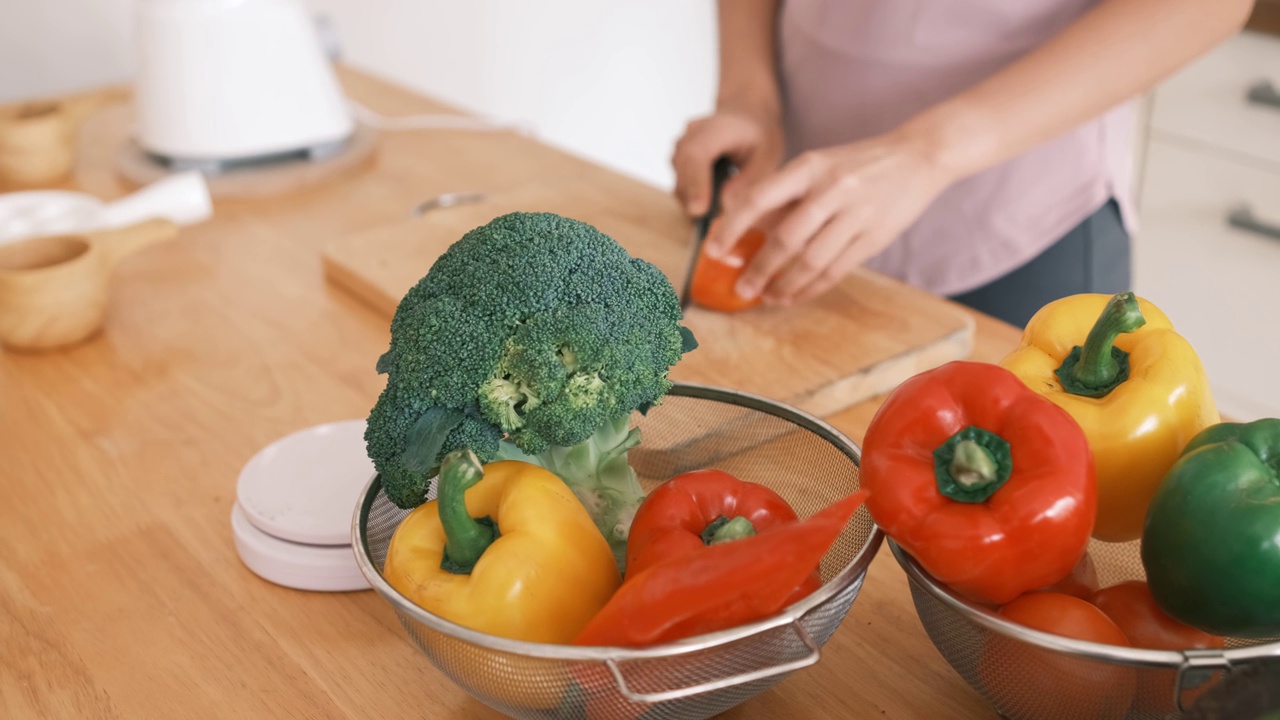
[[1144, 657], [848, 575]]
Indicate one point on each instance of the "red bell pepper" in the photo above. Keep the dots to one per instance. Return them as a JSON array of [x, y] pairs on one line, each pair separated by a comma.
[[696, 509], [989, 485], [1082, 582], [719, 586]]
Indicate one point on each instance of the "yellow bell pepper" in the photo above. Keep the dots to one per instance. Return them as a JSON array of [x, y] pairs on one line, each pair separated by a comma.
[[533, 567], [1135, 386]]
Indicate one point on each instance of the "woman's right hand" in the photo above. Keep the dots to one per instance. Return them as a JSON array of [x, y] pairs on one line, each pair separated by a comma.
[[752, 140]]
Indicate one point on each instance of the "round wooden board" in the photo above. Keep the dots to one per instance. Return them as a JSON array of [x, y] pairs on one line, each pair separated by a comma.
[[113, 125]]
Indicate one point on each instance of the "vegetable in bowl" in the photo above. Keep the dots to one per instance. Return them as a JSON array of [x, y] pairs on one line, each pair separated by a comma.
[[1211, 543], [505, 549], [533, 337]]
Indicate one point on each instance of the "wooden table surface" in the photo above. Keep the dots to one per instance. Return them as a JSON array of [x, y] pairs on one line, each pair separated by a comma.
[[121, 594]]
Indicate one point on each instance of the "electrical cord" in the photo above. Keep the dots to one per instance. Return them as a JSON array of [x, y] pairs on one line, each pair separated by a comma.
[[432, 121]]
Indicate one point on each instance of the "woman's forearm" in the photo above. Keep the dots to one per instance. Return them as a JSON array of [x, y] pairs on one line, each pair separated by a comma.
[[1116, 51], [748, 78]]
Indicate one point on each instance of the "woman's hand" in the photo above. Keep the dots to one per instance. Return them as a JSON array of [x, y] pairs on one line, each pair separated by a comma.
[[752, 140], [828, 211]]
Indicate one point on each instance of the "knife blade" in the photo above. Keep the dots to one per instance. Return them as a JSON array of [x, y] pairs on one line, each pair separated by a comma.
[[721, 171]]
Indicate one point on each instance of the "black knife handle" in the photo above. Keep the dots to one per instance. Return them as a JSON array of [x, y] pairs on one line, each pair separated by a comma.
[[721, 171]]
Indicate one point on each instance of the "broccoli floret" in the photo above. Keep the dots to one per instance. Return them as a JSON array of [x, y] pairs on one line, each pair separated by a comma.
[[534, 329], [395, 414]]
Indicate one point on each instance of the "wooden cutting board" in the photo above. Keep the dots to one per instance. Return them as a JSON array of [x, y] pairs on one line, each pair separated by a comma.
[[857, 342]]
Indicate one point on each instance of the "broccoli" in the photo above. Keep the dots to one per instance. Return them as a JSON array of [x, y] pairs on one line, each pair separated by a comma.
[[532, 337]]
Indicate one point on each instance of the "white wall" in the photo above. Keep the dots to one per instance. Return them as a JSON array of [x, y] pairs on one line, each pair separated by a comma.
[[49, 47], [613, 81]]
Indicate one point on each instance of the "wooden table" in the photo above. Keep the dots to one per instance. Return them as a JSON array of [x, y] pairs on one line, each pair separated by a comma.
[[121, 594]]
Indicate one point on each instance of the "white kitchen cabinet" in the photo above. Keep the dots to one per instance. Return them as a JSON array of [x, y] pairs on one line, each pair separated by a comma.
[[1208, 103], [1220, 285], [1210, 154]]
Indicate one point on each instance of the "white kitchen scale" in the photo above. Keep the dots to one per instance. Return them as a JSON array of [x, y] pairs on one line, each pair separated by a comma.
[[294, 503]]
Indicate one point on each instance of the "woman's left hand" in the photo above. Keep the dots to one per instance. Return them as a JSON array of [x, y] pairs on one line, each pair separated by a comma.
[[829, 211]]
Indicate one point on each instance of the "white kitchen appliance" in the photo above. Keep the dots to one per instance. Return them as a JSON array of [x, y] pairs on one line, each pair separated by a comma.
[[222, 84], [291, 520]]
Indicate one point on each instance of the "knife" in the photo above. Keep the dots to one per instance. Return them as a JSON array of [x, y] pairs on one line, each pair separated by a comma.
[[721, 171]]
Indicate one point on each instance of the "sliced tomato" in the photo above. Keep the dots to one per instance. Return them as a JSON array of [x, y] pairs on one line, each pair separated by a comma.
[[714, 279]]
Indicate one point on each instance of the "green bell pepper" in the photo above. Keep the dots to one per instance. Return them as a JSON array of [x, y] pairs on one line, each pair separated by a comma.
[[1211, 541]]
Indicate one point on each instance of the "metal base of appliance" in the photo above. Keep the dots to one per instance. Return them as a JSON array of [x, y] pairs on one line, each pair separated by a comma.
[[115, 126], [219, 166]]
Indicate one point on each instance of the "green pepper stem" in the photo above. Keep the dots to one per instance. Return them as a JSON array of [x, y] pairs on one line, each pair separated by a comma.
[[972, 465], [722, 530], [466, 538], [1099, 366]]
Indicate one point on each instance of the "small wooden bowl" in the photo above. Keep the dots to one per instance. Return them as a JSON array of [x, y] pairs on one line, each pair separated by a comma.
[[38, 138], [37, 146], [53, 290]]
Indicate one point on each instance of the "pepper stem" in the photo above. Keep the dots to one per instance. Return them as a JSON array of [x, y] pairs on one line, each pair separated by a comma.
[[972, 465], [1099, 367], [466, 538], [722, 529]]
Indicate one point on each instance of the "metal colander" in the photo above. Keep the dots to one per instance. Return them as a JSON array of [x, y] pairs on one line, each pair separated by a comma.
[[1028, 674], [803, 459]]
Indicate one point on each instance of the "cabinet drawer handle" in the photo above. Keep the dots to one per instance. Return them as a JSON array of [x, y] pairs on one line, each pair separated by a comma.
[[1264, 92], [1242, 217]]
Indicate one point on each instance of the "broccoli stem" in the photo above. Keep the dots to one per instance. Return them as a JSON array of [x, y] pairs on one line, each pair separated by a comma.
[[599, 474]]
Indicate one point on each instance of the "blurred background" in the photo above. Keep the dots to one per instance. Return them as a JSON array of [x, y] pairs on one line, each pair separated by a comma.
[[615, 82], [612, 81]]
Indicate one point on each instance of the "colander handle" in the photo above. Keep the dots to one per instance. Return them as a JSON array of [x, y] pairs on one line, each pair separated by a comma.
[[732, 680], [1198, 667]]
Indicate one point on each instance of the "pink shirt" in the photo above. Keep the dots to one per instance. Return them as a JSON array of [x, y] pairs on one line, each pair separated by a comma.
[[855, 68]]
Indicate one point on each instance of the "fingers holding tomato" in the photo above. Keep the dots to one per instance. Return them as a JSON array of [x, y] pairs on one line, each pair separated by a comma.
[[715, 280]]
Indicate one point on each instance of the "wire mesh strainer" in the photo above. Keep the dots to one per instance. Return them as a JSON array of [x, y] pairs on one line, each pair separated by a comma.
[[803, 459], [1031, 675]]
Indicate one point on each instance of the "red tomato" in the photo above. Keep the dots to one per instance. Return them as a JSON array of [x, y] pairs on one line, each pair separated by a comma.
[[1131, 607], [1048, 680], [713, 280], [1064, 615]]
